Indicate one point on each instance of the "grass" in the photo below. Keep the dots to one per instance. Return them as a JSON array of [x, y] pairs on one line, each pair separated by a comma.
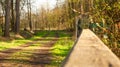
[[51, 35], [25, 55], [14, 43], [61, 48], [44, 33], [4, 45], [59, 51], [64, 34], [39, 34]]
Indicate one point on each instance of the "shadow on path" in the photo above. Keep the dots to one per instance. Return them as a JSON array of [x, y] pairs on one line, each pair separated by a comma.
[[40, 56]]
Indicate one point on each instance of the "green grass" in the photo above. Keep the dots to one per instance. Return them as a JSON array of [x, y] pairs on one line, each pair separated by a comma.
[[13, 43], [4, 45], [51, 34], [40, 33], [60, 50], [64, 34]]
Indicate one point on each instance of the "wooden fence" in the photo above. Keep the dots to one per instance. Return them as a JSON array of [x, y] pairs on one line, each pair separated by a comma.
[[90, 51]]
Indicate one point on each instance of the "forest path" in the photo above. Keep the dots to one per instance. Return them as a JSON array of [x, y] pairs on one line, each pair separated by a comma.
[[31, 54]]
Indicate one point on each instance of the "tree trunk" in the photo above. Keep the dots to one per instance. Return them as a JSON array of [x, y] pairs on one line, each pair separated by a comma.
[[13, 16], [30, 22], [7, 18], [17, 23], [29, 14]]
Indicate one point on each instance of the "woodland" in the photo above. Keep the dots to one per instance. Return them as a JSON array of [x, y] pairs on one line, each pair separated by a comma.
[[20, 25]]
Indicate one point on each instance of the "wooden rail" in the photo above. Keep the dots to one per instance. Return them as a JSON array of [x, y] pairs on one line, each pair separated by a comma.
[[90, 51]]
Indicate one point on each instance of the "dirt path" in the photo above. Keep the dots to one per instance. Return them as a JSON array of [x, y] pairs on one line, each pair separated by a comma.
[[40, 56], [8, 52]]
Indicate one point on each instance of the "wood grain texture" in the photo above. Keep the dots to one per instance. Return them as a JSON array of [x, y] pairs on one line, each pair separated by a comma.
[[90, 51]]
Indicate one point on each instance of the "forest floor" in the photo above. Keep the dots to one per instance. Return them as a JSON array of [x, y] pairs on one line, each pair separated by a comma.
[[41, 54], [36, 53]]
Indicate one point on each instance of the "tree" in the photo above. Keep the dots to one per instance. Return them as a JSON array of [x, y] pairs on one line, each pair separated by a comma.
[[12, 16], [17, 23], [29, 14], [7, 18], [2, 5]]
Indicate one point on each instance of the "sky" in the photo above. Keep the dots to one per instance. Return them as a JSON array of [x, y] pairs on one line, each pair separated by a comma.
[[39, 3]]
